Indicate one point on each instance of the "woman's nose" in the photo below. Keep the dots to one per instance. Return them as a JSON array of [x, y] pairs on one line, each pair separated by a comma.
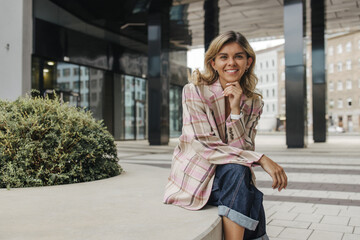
[[231, 61]]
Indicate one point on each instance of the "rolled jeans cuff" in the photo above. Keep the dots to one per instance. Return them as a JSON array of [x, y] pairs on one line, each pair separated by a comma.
[[238, 218]]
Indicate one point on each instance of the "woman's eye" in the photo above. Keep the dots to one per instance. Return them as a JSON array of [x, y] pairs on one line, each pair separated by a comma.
[[239, 57], [223, 57]]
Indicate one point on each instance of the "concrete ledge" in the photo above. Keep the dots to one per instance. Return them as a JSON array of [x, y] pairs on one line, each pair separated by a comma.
[[125, 207]]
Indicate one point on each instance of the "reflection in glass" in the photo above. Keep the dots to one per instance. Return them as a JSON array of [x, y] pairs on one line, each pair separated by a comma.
[[68, 83], [134, 107], [175, 109], [140, 98], [84, 87], [129, 107], [95, 92]]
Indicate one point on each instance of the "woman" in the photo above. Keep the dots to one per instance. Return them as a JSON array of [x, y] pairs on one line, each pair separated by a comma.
[[213, 160]]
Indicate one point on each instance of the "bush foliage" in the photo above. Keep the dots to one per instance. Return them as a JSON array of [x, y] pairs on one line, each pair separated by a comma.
[[44, 142]]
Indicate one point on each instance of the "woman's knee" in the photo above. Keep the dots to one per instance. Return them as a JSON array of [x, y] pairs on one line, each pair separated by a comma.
[[235, 170]]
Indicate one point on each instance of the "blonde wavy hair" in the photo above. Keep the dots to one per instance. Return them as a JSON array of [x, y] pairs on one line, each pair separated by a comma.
[[247, 82]]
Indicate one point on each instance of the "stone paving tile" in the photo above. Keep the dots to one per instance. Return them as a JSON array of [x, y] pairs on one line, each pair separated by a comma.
[[285, 223], [304, 209], [321, 235], [331, 227], [284, 216], [348, 236], [354, 221], [295, 233], [309, 178], [328, 211], [283, 207], [352, 212], [354, 196], [273, 231], [276, 238], [302, 217], [335, 220]]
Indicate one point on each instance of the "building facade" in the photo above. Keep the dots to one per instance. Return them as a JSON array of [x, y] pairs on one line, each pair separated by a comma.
[[51, 48], [267, 73], [343, 85], [343, 78]]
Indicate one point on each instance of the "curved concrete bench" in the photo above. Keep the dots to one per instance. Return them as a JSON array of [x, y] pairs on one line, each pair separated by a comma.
[[125, 207]]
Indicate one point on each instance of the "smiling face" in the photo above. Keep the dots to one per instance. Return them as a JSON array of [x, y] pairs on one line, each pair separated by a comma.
[[231, 63]]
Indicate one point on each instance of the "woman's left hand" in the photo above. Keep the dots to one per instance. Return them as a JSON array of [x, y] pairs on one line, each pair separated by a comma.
[[234, 92]]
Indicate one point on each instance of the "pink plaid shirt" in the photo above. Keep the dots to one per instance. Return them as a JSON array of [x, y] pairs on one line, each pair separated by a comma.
[[209, 139]]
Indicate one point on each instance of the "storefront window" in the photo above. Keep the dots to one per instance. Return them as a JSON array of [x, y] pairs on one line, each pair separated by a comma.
[[175, 111], [96, 92], [134, 107]]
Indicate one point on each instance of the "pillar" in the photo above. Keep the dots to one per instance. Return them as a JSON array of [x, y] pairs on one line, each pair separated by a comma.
[[211, 22], [318, 69], [295, 72], [158, 71]]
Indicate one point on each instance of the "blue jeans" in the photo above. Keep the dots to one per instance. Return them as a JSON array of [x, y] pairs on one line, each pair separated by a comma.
[[239, 200]]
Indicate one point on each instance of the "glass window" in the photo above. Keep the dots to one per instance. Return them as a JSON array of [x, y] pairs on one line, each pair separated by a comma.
[[273, 62], [273, 92], [267, 92], [273, 77], [339, 48], [68, 84], [267, 78], [348, 84], [85, 87], [348, 46], [283, 76], [331, 86], [282, 61], [331, 51], [348, 64], [349, 102], [331, 68], [76, 71], [140, 102], [339, 66], [339, 85], [331, 103], [96, 92], [175, 108], [66, 72], [340, 103]]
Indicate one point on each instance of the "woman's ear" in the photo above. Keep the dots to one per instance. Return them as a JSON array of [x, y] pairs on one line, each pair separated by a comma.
[[249, 61], [213, 64]]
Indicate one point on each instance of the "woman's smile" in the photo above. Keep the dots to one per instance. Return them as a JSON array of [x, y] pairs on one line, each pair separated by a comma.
[[231, 63]]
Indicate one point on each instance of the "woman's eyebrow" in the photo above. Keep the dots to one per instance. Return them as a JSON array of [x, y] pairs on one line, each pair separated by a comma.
[[238, 53]]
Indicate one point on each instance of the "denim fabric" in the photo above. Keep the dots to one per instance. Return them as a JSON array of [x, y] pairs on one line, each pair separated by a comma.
[[239, 200]]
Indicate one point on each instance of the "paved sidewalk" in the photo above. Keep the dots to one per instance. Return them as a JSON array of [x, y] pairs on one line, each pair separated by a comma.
[[322, 200]]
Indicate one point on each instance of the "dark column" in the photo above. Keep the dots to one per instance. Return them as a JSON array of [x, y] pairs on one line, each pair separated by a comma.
[[158, 71], [211, 24], [295, 72], [318, 70]]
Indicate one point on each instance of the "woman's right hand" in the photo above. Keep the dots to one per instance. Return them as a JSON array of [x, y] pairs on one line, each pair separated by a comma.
[[276, 172]]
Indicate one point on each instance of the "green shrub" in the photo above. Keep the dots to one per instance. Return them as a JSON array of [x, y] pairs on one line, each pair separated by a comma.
[[44, 142]]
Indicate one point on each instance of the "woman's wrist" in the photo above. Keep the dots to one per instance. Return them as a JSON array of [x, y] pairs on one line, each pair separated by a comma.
[[236, 116]]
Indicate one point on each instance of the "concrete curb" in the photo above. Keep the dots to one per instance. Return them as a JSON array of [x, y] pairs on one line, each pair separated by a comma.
[[125, 207]]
